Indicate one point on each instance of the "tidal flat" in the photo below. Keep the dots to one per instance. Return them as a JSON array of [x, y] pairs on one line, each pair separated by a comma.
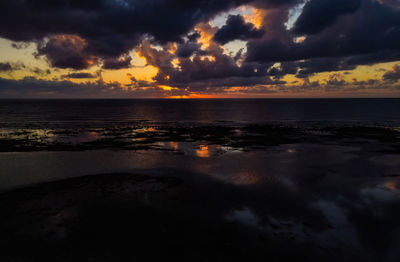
[[145, 191]]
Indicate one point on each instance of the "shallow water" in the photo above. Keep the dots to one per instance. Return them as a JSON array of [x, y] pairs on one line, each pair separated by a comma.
[[336, 195]]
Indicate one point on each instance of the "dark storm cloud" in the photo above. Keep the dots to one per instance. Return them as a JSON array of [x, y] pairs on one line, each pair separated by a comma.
[[393, 75], [274, 3], [237, 29], [5, 67], [66, 51], [374, 28], [318, 14], [79, 75], [317, 65], [373, 58], [282, 70], [123, 62], [187, 49], [110, 27]]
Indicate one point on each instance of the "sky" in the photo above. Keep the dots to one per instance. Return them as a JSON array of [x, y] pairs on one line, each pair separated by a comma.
[[199, 48]]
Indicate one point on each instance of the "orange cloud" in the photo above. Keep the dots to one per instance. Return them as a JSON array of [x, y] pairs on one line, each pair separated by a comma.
[[208, 57], [206, 34], [300, 39], [256, 17]]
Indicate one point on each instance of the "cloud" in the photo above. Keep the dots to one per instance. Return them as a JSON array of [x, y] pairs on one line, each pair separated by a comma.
[[122, 62], [39, 71], [274, 3], [9, 67], [393, 75], [79, 75], [317, 65], [372, 29], [102, 29], [66, 51], [31, 87], [177, 38], [319, 14], [4, 67], [208, 68], [187, 49], [237, 29]]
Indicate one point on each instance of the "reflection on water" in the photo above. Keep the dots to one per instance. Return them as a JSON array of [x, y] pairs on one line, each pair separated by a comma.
[[281, 195], [203, 151], [174, 145], [38, 136], [145, 130], [139, 139], [392, 185], [291, 150], [340, 196], [244, 216]]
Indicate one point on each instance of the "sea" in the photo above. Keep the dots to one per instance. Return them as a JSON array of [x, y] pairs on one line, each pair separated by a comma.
[[82, 112]]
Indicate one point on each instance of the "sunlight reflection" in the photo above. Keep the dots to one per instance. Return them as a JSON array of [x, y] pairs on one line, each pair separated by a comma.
[[145, 130], [391, 186], [203, 151], [174, 145]]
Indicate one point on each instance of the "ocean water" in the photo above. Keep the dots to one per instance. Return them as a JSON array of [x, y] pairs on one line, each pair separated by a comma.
[[76, 113], [321, 173]]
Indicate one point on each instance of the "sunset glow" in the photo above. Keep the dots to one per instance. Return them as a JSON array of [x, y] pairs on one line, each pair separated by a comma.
[[233, 54]]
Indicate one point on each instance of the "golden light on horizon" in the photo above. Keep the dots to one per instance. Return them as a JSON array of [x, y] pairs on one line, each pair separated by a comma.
[[194, 96], [123, 76], [167, 88]]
